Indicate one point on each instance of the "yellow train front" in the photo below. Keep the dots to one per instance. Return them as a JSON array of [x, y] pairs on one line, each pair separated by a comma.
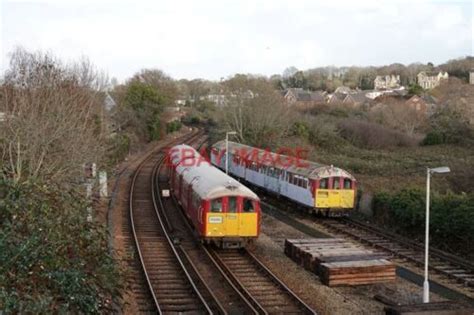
[[318, 188], [221, 210]]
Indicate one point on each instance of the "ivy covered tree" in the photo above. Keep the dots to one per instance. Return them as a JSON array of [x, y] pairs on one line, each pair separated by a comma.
[[147, 104]]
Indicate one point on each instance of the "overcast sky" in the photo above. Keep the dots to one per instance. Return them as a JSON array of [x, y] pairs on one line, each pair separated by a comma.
[[214, 39]]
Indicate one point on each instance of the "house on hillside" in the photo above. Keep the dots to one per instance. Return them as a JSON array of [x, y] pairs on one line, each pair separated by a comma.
[[109, 102], [417, 103], [400, 92], [343, 90], [336, 98], [356, 99], [471, 76], [180, 102], [383, 82], [219, 99], [429, 80], [298, 96]]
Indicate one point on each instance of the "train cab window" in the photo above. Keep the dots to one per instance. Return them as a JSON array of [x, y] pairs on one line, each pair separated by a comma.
[[335, 183], [248, 206], [347, 183], [232, 205], [216, 205], [323, 183]]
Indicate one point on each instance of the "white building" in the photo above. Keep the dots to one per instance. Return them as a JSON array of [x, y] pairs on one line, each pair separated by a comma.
[[429, 80], [383, 82]]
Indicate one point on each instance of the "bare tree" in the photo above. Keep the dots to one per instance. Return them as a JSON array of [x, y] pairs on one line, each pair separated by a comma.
[[53, 117], [255, 111], [398, 115]]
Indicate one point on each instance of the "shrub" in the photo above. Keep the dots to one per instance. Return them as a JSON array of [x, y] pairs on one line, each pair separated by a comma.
[[374, 136], [52, 260], [300, 129], [449, 126], [119, 148], [451, 222], [173, 126], [433, 138]]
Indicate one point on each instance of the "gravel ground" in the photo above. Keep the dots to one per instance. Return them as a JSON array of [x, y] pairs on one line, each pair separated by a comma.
[[326, 300], [401, 262]]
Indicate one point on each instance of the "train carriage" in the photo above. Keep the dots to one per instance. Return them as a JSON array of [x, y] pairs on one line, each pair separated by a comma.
[[222, 210], [319, 188]]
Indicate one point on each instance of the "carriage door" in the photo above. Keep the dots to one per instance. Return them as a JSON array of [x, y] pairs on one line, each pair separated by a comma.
[[231, 217]]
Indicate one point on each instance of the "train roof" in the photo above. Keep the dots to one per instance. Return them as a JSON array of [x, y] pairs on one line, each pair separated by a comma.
[[208, 181], [308, 169]]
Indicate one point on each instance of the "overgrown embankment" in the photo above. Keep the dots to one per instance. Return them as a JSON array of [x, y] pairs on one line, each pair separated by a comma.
[[52, 259], [451, 217]]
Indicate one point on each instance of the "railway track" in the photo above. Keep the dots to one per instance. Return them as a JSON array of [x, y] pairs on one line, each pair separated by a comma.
[[457, 272], [227, 299], [257, 283], [263, 294], [456, 269], [172, 287]]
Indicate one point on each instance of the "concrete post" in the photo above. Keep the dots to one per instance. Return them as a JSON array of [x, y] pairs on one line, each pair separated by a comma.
[[103, 184]]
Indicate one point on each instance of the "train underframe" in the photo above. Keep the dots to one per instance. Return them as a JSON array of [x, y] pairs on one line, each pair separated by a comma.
[[229, 242]]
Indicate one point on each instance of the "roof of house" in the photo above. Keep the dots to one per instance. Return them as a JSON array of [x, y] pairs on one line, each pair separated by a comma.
[[359, 97], [429, 99], [306, 96], [336, 96], [431, 73], [109, 102]]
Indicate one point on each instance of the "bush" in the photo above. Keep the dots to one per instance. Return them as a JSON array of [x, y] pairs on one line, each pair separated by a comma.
[[415, 89], [449, 126], [120, 146], [451, 222], [433, 138], [173, 126], [52, 260], [374, 136], [300, 129]]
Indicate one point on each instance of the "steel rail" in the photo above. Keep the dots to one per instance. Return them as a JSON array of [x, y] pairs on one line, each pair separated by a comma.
[[157, 200], [262, 309], [131, 208]]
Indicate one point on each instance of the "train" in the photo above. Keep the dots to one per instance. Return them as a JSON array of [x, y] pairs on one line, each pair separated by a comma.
[[221, 210], [318, 188]]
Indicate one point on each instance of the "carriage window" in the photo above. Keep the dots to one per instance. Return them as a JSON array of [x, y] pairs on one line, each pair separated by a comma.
[[248, 205], [232, 205], [216, 205], [347, 183], [323, 183], [335, 183]]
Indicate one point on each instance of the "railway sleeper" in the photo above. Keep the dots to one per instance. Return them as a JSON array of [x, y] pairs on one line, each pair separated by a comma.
[[267, 295], [171, 286], [182, 309], [184, 301]]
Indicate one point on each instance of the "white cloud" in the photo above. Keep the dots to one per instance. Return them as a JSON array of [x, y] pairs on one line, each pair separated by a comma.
[[214, 39]]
